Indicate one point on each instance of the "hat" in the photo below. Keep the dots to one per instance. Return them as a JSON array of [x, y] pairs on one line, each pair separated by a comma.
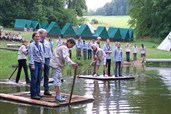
[[99, 38]]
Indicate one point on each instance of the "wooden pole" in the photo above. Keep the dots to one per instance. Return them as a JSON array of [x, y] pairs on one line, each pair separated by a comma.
[[13, 73], [73, 83]]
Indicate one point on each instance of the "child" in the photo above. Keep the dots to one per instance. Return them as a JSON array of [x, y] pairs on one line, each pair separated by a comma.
[[143, 52], [118, 58], [36, 60], [127, 49], [22, 52], [61, 55], [134, 51], [98, 56]]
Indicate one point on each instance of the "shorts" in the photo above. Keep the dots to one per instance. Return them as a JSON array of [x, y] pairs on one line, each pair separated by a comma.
[[98, 62], [143, 55], [57, 75]]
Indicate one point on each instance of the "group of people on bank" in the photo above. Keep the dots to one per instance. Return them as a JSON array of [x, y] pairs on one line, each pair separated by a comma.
[[10, 36], [103, 54]]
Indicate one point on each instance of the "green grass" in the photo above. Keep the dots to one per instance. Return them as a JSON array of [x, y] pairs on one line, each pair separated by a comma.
[[111, 21]]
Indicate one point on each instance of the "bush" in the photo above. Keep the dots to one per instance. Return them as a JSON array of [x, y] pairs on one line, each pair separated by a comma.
[[94, 21]]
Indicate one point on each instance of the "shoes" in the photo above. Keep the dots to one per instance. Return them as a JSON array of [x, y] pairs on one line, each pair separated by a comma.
[[40, 96], [35, 97], [120, 75], [59, 98], [95, 75], [47, 93], [105, 75]]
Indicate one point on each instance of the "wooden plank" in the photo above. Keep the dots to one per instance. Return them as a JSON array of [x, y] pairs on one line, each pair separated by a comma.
[[48, 101], [14, 45], [11, 49], [158, 60], [106, 78]]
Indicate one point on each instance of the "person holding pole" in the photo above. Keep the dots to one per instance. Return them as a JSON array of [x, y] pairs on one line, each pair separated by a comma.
[[59, 57], [98, 56], [47, 55], [22, 52], [36, 62]]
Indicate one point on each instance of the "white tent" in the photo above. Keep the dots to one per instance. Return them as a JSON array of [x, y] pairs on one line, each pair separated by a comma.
[[166, 44], [92, 29]]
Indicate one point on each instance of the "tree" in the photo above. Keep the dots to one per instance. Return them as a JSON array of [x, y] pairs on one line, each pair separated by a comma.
[[150, 17]]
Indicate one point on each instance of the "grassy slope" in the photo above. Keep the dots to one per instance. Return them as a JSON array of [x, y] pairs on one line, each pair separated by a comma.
[[114, 21]]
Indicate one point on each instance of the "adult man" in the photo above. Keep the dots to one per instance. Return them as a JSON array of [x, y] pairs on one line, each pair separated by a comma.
[[98, 56], [107, 48], [47, 55], [61, 55]]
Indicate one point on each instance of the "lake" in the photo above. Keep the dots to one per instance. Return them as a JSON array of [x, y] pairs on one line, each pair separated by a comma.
[[149, 93]]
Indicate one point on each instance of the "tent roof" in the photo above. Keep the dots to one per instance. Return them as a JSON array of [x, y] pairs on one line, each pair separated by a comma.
[[53, 28], [92, 29], [124, 33], [28, 23], [101, 32], [35, 24], [84, 30], [68, 30], [20, 23], [166, 43], [44, 24], [114, 33]]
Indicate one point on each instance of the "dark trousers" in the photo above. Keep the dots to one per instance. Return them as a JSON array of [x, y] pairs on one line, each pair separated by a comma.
[[70, 54], [22, 63], [108, 65], [35, 79], [89, 54], [128, 56], [85, 54], [118, 69], [134, 56], [46, 74]]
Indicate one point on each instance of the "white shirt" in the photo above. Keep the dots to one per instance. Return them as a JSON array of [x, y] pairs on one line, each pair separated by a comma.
[[134, 49], [22, 52], [127, 48], [142, 50]]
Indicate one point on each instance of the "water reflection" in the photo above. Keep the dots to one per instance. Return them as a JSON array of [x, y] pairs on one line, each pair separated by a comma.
[[148, 93]]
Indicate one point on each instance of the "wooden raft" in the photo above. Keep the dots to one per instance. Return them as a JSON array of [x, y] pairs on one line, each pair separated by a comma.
[[48, 101], [102, 78]]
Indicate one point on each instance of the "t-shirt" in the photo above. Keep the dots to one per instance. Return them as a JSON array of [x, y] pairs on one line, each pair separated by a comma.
[[22, 52]]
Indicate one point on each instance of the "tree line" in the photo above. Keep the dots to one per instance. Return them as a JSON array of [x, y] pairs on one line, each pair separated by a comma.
[[150, 18], [115, 7], [61, 11]]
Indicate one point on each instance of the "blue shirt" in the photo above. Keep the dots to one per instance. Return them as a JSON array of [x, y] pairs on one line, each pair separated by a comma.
[[84, 46], [46, 49], [89, 46], [79, 45], [118, 54], [35, 53]]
